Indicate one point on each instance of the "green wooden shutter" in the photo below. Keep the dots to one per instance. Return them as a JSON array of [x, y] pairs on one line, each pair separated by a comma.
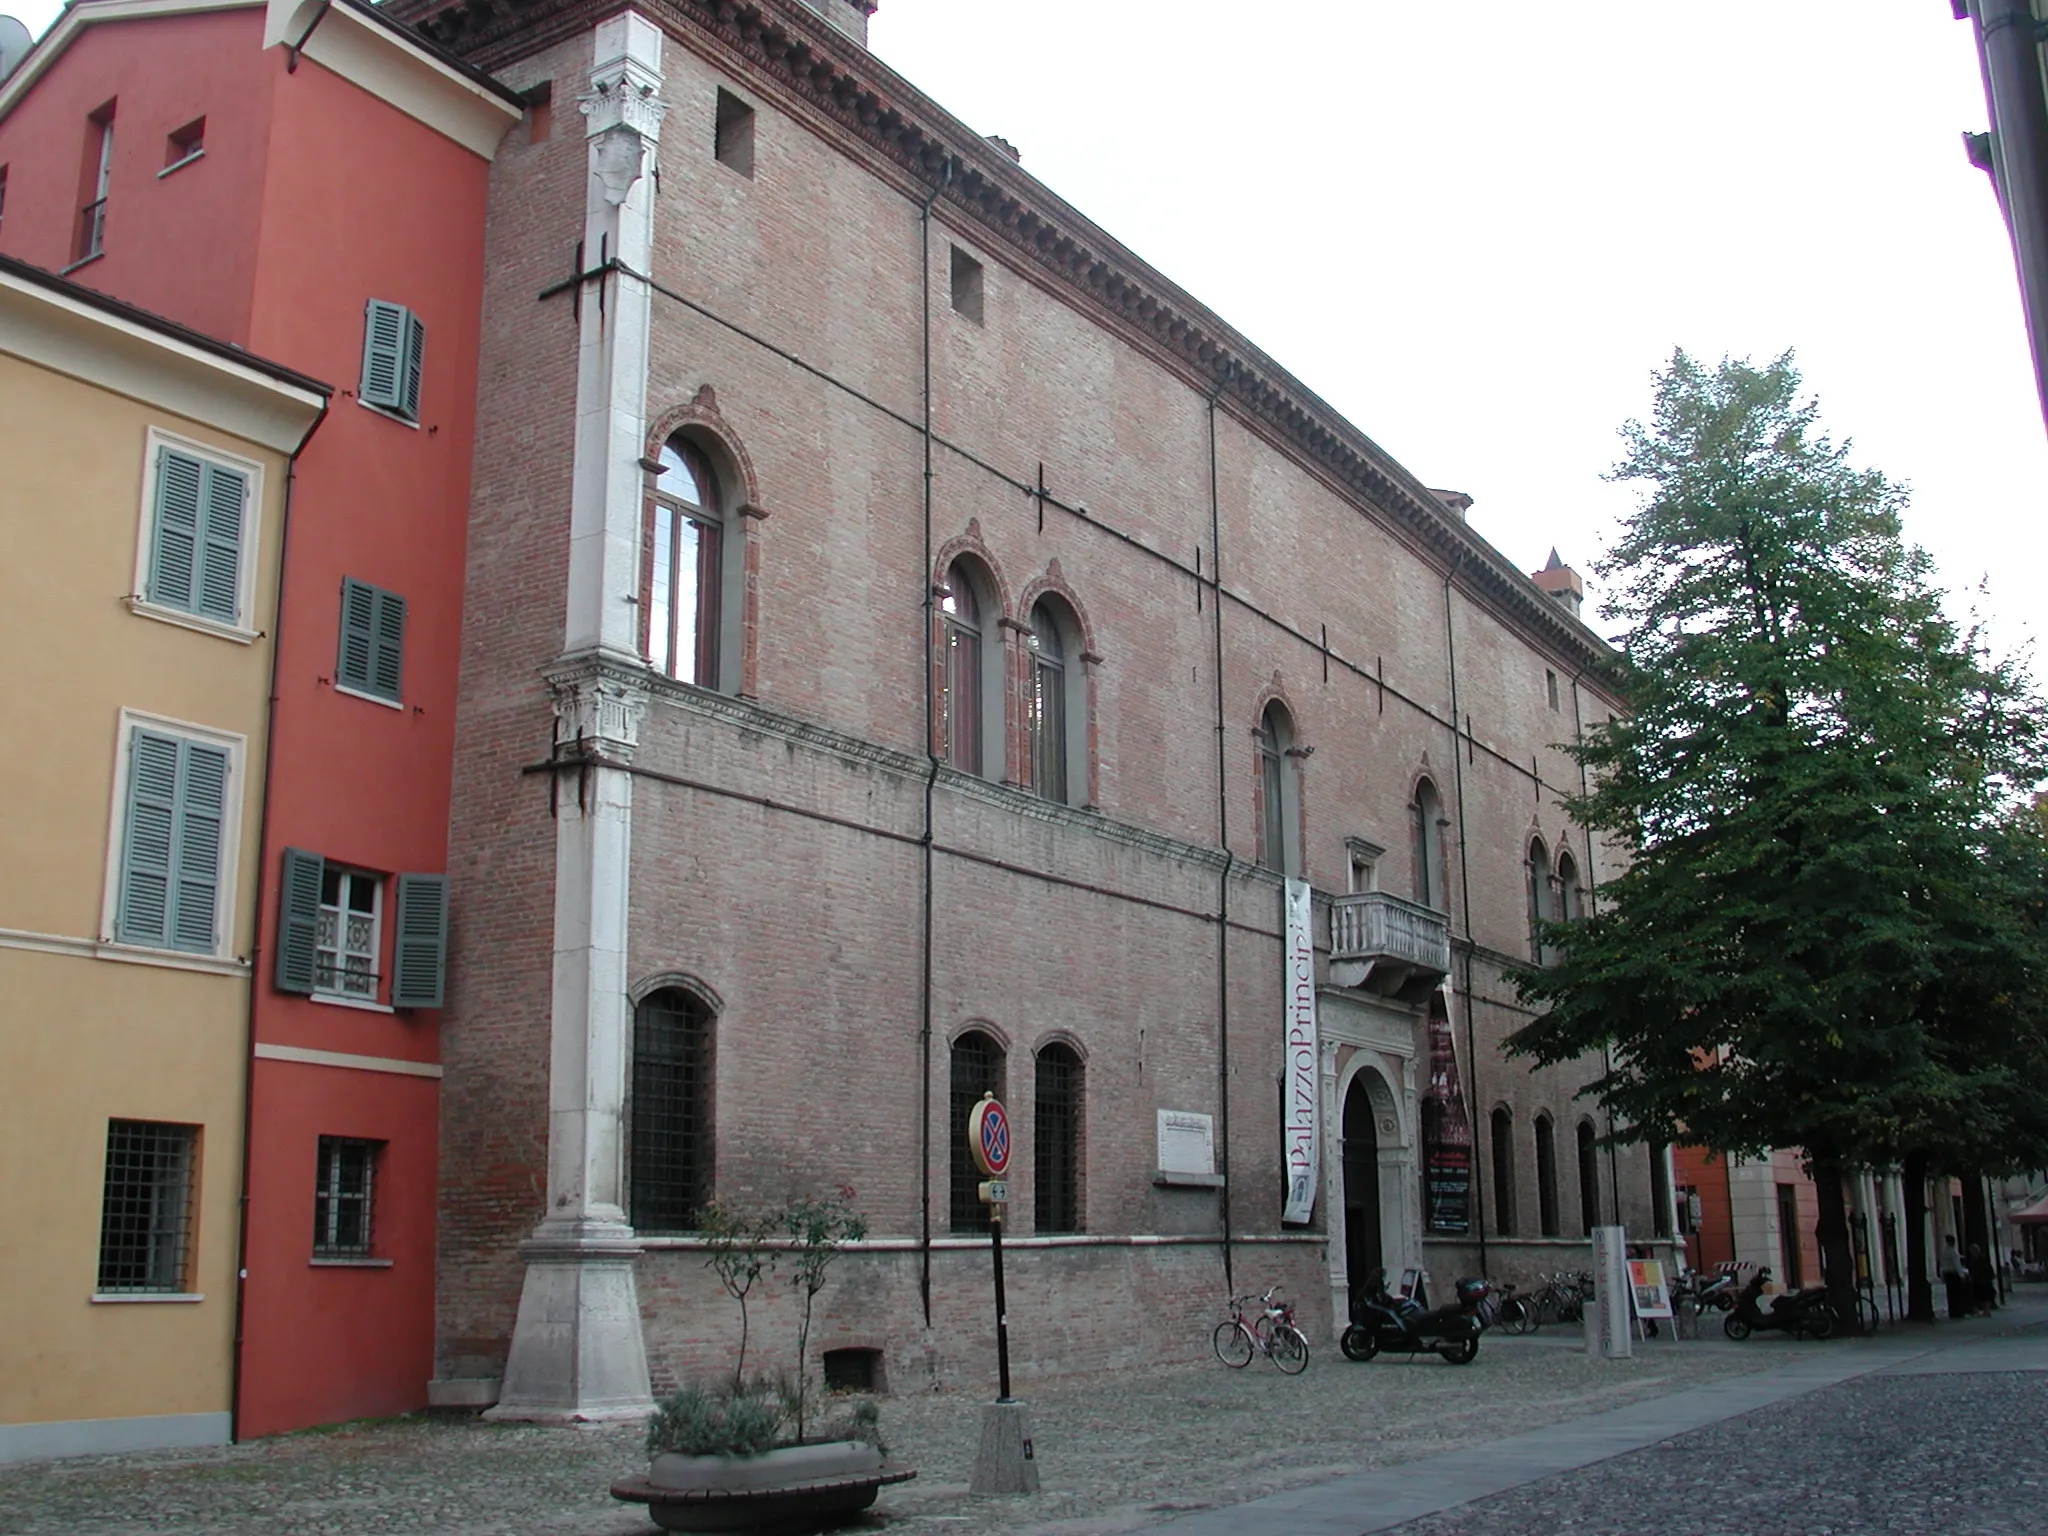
[[420, 957], [217, 591], [298, 920], [172, 839], [174, 553], [372, 658], [196, 871], [385, 328], [148, 841], [387, 659], [415, 359]]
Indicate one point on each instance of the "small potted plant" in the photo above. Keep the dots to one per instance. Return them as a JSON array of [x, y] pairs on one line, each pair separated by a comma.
[[755, 1455]]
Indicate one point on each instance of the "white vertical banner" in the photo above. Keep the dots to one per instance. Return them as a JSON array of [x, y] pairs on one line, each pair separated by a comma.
[[1298, 1136]]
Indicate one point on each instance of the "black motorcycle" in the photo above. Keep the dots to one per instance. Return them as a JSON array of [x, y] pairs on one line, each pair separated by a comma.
[[1803, 1314], [1398, 1325]]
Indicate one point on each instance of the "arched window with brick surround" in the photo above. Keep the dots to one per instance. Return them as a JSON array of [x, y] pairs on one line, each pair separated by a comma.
[[1546, 1176], [1503, 1138], [1056, 703], [696, 568], [1426, 824], [976, 1068], [1056, 1139], [1541, 906], [969, 683], [669, 1148]]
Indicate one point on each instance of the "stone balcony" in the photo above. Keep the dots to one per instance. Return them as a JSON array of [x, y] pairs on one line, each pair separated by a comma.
[[1384, 944]]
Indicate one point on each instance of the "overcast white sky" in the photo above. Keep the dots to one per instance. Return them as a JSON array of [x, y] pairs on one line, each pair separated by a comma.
[[1476, 229]]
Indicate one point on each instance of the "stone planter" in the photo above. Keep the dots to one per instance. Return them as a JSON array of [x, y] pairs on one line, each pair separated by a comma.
[[801, 1488]]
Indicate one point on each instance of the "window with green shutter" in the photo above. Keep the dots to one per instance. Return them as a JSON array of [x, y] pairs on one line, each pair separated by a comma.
[[419, 962], [394, 345], [172, 838], [372, 659], [196, 527]]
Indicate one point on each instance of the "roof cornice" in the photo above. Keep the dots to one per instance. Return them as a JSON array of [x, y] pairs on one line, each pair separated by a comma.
[[912, 140]]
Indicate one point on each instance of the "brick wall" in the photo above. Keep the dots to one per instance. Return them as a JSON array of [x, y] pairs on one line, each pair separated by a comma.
[[803, 916]]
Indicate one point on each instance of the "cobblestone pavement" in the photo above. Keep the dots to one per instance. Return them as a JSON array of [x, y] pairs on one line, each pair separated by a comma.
[[1942, 1455], [1115, 1452], [1879, 1456]]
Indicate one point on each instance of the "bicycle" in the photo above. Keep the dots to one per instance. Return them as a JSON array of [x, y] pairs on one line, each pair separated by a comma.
[[1503, 1309], [1272, 1333]]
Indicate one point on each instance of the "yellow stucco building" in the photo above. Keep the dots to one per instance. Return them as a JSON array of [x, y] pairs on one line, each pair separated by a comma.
[[143, 487]]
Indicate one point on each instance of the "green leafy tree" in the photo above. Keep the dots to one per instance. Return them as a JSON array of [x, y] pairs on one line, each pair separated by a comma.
[[1812, 944], [817, 1226], [738, 1249]]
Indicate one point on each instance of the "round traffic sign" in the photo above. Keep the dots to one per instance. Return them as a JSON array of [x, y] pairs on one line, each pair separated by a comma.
[[988, 1137]]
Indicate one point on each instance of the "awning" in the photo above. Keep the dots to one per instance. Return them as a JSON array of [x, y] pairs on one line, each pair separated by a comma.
[[2035, 1214]]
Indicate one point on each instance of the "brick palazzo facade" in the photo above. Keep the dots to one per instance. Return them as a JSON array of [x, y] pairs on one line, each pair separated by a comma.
[[909, 644]]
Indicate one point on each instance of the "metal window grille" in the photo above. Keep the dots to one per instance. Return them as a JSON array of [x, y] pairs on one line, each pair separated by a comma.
[[977, 1069], [345, 1198], [669, 1163], [345, 940], [1056, 1146], [146, 1209]]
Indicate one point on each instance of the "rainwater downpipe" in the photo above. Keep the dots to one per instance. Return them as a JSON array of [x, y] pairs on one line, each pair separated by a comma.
[[931, 778], [1222, 836], [1465, 902], [284, 544]]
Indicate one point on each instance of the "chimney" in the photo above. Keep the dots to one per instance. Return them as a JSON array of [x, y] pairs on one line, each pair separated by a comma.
[[849, 16], [1457, 503], [1561, 584], [1005, 146]]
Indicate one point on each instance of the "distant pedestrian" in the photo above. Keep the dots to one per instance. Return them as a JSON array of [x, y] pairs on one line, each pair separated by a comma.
[[1983, 1282], [1956, 1279]]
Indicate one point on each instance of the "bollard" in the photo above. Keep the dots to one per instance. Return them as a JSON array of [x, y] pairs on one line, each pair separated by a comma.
[[1005, 1463]]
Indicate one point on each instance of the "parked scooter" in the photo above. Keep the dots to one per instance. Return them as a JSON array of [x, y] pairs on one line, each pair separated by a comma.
[[1396, 1324], [1803, 1314]]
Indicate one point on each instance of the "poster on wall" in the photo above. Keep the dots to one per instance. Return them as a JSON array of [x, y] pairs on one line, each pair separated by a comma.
[[1298, 1074], [1446, 1134]]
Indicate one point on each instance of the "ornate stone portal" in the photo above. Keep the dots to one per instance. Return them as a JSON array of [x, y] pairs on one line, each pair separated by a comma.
[[1372, 1044]]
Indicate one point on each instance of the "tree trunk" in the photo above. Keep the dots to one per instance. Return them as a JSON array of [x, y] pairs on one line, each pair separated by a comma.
[[1919, 1288], [1837, 1260], [1977, 1241]]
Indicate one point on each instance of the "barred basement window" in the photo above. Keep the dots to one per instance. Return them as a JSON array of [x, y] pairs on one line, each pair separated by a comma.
[[977, 1068], [669, 1161], [1056, 1157], [146, 1208], [344, 1198]]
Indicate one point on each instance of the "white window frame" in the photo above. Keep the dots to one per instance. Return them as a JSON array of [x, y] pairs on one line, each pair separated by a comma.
[[237, 748], [244, 631], [378, 980]]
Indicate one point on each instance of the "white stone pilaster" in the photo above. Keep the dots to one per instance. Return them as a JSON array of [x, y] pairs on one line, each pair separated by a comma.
[[577, 1351]]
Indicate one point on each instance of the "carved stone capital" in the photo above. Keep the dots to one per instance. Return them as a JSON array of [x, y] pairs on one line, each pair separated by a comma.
[[599, 704], [623, 111]]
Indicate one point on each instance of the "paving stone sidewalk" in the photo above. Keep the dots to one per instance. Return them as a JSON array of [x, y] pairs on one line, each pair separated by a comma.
[[1117, 1452]]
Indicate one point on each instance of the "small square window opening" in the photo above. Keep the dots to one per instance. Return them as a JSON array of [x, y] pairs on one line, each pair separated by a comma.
[[345, 937], [1550, 685], [540, 112], [732, 142], [343, 1199], [967, 285], [188, 143]]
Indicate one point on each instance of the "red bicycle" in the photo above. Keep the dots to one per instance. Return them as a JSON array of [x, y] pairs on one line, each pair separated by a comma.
[[1271, 1332]]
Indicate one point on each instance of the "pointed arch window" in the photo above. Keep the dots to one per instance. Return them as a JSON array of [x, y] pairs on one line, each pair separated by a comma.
[[1056, 704], [1571, 898], [1503, 1138], [1427, 827], [1540, 906], [1279, 811], [686, 607], [669, 1147], [969, 700], [1546, 1176]]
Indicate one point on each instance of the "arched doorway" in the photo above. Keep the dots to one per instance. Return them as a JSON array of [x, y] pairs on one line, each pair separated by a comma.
[[1364, 1251]]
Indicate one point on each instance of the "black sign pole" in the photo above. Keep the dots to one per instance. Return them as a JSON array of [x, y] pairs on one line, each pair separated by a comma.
[[995, 1248]]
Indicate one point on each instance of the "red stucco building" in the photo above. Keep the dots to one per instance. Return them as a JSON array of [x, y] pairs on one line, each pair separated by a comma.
[[308, 182]]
